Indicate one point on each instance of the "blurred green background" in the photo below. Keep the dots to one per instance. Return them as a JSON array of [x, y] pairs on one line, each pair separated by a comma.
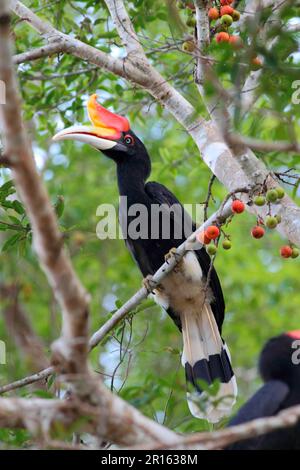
[[261, 290]]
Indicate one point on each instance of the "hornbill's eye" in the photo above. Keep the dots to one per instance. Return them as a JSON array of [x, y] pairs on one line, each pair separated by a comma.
[[128, 139]]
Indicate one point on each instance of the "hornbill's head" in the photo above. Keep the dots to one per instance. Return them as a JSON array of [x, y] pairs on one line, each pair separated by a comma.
[[109, 133], [279, 359]]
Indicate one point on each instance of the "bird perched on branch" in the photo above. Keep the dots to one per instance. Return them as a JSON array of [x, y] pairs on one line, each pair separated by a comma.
[[279, 367], [191, 294]]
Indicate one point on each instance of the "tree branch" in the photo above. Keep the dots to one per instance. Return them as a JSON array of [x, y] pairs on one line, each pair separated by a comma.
[[39, 376], [202, 36], [125, 28], [44, 51], [220, 439], [262, 145]]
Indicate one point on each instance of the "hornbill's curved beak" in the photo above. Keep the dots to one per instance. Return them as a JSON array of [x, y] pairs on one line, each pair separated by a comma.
[[106, 129]]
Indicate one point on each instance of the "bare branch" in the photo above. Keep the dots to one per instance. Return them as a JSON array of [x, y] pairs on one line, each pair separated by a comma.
[[38, 377], [262, 145], [125, 28], [44, 51], [37, 415], [202, 36], [223, 438]]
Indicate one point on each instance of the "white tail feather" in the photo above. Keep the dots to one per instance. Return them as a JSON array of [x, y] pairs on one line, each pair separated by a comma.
[[201, 341]]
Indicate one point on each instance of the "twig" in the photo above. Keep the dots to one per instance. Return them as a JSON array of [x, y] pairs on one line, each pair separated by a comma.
[[42, 375], [209, 196], [263, 146]]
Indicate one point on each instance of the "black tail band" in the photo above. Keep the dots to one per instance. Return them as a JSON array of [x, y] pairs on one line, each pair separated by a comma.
[[216, 367]]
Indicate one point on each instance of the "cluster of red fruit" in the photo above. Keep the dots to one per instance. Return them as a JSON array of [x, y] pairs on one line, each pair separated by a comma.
[[272, 221], [226, 16], [213, 232]]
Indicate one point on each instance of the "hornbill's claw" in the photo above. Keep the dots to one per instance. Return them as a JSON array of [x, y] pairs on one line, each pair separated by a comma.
[[172, 254], [149, 284]]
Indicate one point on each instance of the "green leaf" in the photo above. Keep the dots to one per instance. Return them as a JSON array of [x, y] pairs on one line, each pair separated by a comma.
[[59, 206], [11, 242], [18, 207]]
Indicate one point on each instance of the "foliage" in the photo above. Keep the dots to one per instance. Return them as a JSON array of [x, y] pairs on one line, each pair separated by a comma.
[[261, 289]]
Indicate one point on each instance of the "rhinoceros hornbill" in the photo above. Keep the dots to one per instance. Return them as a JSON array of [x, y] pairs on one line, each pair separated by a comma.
[[279, 367], [196, 308]]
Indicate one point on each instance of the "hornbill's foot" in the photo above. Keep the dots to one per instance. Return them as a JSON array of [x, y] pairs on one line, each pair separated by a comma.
[[149, 284], [172, 254]]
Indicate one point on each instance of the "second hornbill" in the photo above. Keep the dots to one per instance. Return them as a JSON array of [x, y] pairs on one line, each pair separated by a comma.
[[197, 309], [279, 367]]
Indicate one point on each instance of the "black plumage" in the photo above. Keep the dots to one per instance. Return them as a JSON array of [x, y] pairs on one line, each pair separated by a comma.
[[280, 370]]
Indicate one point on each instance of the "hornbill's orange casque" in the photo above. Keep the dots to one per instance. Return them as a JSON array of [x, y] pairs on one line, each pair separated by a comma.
[[197, 311], [279, 368]]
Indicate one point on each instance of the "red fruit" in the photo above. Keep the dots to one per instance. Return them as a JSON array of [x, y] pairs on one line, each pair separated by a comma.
[[236, 41], [257, 232], [226, 2], [203, 238], [213, 13], [237, 206], [286, 251], [226, 10], [212, 232], [222, 37], [256, 63]]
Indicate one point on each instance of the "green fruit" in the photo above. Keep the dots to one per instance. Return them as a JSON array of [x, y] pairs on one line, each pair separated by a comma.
[[295, 253], [211, 250], [259, 200], [272, 195], [226, 20], [191, 22], [236, 15], [188, 46], [226, 244], [278, 218], [280, 192], [271, 222]]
